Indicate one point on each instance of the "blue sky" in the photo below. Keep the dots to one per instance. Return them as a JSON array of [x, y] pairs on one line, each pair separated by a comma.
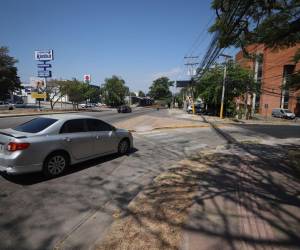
[[137, 40]]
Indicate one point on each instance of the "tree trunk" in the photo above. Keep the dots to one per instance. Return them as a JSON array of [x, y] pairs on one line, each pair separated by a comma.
[[51, 104]]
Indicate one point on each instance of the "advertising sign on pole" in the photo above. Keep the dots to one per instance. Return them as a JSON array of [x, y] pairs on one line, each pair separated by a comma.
[[87, 78], [45, 73], [43, 55], [45, 65], [37, 95]]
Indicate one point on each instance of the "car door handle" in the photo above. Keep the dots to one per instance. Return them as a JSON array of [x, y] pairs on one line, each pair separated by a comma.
[[67, 139]]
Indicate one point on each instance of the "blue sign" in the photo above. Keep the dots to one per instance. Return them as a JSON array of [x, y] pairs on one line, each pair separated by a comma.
[[45, 73], [44, 65]]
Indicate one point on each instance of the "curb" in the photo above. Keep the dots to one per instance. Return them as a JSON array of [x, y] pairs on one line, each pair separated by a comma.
[[185, 126], [50, 113], [175, 127], [37, 114]]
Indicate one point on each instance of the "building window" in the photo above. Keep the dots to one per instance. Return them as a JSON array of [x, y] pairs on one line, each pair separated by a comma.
[[287, 71], [286, 100]]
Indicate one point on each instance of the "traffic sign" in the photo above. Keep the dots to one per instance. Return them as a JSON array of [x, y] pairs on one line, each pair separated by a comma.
[[45, 65], [45, 73]]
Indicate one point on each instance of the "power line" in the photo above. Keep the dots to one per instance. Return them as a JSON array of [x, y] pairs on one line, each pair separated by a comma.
[[197, 41]]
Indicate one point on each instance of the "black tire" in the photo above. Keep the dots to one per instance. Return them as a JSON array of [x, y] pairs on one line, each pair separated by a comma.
[[55, 164], [123, 147]]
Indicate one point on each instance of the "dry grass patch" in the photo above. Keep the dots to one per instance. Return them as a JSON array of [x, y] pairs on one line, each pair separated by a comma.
[[156, 215]]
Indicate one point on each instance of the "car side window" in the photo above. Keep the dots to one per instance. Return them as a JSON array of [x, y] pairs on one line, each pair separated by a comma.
[[73, 126], [97, 125]]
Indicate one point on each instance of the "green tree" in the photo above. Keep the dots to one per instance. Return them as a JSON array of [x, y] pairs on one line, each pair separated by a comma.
[[293, 81], [55, 90], [238, 82], [160, 89], [274, 23], [93, 94], [9, 80], [141, 94], [76, 91], [114, 91]]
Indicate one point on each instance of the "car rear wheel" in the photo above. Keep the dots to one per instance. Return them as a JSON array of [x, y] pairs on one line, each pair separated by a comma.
[[55, 164], [123, 147]]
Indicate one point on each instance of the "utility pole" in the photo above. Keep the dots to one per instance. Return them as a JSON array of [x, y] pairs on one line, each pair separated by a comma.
[[191, 66], [224, 83]]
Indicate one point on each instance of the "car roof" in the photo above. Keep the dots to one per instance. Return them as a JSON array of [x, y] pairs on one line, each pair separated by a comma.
[[65, 117]]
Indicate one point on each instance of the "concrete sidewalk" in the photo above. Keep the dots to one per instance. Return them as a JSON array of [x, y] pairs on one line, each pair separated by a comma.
[[158, 121], [242, 195], [178, 113], [227, 198]]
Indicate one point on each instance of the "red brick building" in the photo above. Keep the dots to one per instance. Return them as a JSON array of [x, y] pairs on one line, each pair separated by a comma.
[[271, 69]]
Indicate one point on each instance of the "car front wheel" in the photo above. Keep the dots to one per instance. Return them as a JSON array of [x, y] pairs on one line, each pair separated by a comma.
[[123, 147], [55, 164]]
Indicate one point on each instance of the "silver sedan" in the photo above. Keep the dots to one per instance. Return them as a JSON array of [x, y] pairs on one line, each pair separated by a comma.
[[52, 143]]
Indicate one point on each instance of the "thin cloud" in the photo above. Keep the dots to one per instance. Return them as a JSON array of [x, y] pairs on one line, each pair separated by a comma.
[[172, 73]]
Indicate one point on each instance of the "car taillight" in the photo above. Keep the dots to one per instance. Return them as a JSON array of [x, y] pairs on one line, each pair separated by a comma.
[[14, 146]]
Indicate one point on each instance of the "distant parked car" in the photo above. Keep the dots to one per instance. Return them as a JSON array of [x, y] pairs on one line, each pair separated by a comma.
[[85, 105], [198, 109], [283, 113], [124, 109], [51, 143], [6, 106]]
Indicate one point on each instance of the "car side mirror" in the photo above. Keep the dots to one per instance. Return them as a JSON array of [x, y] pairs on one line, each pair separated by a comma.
[[113, 128]]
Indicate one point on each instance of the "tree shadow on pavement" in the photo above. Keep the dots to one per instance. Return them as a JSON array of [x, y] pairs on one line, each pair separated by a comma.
[[243, 196], [247, 200]]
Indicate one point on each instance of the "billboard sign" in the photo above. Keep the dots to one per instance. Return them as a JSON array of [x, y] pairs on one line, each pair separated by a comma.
[[44, 65], [43, 55], [38, 95], [183, 84], [87, 78], [45, 73]]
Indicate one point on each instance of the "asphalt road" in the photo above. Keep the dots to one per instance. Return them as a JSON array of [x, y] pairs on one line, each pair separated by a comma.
[[108, 116], [72, 211]]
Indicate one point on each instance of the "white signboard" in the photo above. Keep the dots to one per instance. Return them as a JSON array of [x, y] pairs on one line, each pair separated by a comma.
[[43, 55]]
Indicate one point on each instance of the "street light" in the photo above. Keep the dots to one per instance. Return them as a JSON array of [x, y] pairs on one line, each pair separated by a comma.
[[224, 83]]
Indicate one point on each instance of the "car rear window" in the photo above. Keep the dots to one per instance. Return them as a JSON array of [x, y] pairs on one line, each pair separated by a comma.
[[36, 125]]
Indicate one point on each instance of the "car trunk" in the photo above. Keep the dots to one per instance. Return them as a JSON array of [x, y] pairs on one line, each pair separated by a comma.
[[7, 135]]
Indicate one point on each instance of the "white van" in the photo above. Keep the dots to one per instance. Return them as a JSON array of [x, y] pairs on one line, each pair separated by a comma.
[[283, 113]]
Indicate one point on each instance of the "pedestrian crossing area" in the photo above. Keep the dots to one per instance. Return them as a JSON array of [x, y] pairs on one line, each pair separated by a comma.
[[185, 142]]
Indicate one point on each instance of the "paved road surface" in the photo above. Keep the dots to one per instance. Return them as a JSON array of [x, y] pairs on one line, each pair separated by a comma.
[[108, 116], [36, 213]]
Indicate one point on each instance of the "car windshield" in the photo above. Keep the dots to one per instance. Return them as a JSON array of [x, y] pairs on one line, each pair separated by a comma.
[[36, 125], [287, 111]]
